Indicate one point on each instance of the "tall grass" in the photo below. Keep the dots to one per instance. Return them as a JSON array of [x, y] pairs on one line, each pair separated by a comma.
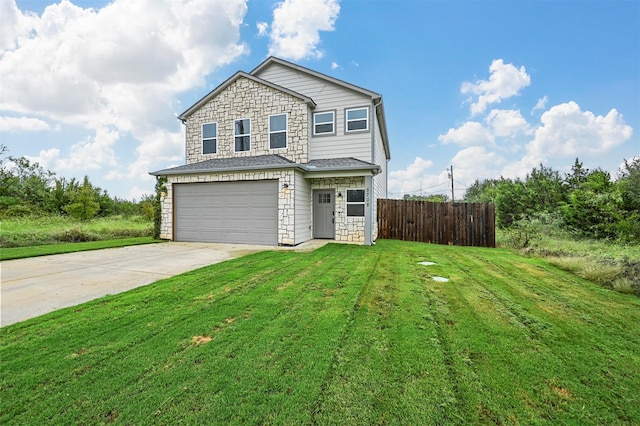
[[33, 231], [610, 263]]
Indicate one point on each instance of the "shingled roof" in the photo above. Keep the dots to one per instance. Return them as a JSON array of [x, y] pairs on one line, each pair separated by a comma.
[[273, 161]]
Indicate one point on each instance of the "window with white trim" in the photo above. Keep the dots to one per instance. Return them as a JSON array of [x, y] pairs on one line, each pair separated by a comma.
[[277, 131], [324, 123], [357, 119], [209, 138], [355, 202], [242, 134]]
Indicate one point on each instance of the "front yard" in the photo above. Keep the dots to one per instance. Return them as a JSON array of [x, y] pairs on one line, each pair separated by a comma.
[[345, 334]]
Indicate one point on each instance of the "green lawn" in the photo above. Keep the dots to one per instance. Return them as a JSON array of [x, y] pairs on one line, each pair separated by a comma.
[[44, 250], [343, 335]]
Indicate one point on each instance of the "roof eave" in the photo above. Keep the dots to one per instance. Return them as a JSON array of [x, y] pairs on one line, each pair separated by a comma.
[[374, 170], [172, 172]]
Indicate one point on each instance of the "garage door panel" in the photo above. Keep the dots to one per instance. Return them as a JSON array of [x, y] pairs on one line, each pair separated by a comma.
[[230, 212]]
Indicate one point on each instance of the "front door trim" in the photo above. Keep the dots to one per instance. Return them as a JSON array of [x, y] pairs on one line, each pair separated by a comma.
[[324, 211]]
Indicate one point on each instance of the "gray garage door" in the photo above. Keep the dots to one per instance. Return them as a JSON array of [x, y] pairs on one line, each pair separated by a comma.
[[227, 212]]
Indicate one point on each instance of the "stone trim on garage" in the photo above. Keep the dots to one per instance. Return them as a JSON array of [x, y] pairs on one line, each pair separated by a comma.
[[286, 213], [348, 229]]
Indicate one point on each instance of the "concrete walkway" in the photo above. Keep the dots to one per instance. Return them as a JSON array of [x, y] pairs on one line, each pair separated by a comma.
[[38, 285]]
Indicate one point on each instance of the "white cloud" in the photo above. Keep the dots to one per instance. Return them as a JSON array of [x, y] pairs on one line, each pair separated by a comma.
[[296, 26], [568, 131], [159, 146], [47, 159], [136, 193], [520, 168], [475, 163], [504, 82], [263, 28], [90, 154], [119, 67], [334, 65], [541, 104], [470, 133], [16, 124], [412, 178], [506, 123]]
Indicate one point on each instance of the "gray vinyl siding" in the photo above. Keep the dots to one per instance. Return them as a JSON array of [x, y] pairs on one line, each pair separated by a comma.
[[302, 208], [327, 96]]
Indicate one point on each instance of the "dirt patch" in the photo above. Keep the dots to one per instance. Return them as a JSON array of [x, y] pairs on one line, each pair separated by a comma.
[[562, 392], [111, 416], [77, 354], [200, 340]]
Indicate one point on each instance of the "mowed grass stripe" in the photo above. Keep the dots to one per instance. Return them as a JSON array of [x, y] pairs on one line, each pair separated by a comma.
[[552, 360], [346, 334], [390, 360], [271, 299]]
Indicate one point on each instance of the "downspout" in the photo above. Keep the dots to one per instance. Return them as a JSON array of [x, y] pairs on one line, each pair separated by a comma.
[[370, 198], [184, 123]]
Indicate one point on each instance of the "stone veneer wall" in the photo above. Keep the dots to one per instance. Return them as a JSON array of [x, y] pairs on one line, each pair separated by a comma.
[[286, 214], [242, 99], [347, 228]]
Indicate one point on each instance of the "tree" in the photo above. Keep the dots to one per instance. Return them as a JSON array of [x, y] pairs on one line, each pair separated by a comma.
[[593, 209], [629, 184], [577, 177], [84, 204], [437, 198], [511, 202], [481, 192], [545, 190]]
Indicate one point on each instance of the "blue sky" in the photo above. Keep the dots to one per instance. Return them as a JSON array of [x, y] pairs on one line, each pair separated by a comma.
[[493, 88]]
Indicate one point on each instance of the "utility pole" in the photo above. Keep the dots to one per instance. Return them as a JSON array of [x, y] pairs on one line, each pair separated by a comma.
[[451, 176]]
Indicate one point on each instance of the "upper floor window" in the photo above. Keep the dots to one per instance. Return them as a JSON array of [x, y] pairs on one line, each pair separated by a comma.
[[278, 131], [242, 134], [324, 123], [355, 202], [209, 138], [357, 119]]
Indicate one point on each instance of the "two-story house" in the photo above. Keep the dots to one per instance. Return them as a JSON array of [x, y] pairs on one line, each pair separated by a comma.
[[279, 156]]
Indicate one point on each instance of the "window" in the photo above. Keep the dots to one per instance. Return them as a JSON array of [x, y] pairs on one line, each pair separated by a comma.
[[355, 202], [209, 138], [357, 119], [324, 198], [324, 123], [242, 134], [277, 131]]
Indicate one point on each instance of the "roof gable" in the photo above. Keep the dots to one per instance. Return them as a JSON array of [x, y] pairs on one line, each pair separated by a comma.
[[241, 74], [273, 60]]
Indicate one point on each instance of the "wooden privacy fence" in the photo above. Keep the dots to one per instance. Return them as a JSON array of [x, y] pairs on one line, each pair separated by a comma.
[[460, 224]]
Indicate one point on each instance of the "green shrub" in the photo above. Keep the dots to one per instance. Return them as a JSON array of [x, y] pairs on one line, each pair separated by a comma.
[[19, 210], [74, 235]]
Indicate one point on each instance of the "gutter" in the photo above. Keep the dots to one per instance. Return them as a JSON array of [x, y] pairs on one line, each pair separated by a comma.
[[309, 169]]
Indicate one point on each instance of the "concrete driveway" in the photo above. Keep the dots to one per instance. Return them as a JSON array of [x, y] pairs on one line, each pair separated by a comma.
[[38, 285]]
